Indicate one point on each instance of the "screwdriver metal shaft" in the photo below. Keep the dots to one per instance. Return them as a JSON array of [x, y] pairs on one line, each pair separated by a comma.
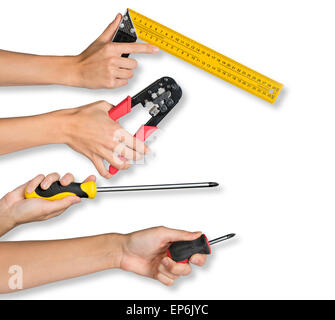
[[159, 187], [224, 238]]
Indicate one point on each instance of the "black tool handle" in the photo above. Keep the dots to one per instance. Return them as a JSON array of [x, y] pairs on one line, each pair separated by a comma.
[[182, 251]]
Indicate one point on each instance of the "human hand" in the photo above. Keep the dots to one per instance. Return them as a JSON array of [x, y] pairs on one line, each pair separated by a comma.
[[101, 64], [90, 131], [145, 253], [16, 210]]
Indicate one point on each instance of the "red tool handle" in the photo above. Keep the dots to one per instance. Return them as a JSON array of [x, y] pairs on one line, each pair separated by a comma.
[[121, 109], [142, 134]]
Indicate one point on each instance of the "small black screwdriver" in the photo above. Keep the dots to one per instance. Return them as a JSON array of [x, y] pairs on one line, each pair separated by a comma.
[[89, 189], [182, 251]]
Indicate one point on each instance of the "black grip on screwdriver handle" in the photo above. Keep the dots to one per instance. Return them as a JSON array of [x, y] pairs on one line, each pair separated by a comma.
[[56, 191], [182, 251]]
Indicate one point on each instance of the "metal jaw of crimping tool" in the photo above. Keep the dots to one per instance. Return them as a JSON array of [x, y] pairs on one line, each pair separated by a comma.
[[160, 98]]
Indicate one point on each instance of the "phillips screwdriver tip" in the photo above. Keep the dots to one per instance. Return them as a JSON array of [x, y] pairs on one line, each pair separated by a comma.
[[224, 238], [232, 235], [213, 184]]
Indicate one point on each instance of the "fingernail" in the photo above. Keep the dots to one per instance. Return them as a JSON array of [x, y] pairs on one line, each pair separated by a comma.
[[29, 190], [165, 262], [44, 185], [195, 260], [155, 50]]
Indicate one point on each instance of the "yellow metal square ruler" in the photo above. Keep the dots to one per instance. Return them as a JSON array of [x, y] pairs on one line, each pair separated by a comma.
[[197, 54]]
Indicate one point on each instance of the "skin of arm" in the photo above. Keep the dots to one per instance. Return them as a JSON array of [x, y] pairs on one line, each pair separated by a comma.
[[142, 252], [87, 129], [99, 66]]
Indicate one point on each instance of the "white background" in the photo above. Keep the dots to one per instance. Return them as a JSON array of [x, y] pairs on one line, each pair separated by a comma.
[[275, 163]]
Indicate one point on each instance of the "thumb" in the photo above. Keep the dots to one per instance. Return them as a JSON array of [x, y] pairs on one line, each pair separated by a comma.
[[173, 235], [109, 33]]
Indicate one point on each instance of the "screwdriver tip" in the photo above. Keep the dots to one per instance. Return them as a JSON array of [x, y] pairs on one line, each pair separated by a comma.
[[232, 235], [213, 184]]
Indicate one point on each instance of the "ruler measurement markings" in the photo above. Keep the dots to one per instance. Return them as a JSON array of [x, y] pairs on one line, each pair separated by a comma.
[[207, 59], [196, 51], [166, 41], [252, 80], [215, 54], [245, 76], [252, 73], [227, 76], [143, 28]]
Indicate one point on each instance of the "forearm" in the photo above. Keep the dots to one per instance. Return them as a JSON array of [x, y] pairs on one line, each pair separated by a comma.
[[26, 132], [43, 262], [27, 69]]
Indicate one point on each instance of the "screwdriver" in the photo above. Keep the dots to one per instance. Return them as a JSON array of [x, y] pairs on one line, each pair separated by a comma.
[[182, 251], [89, 189]]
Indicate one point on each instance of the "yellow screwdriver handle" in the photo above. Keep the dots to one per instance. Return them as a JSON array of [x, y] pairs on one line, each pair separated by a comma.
[[57, 191]]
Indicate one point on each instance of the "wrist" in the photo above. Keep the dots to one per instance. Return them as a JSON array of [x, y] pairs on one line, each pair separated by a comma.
[[115, 245], [6, 221], [67, 71], [55, 128]]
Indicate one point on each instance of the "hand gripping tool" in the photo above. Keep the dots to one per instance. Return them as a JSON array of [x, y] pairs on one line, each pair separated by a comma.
[[160, 98]]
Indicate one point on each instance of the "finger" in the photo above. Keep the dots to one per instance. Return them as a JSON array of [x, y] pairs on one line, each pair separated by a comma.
[[67, 179], [128, 153], [91, 178], [34, 183], [178, 269], [173, 235], [198, 259], [125, 63], [120, 83], [109, 32], [50, 207], [49, 180], [135, 48], [100, 166], [132, 142], [163, 270], [164, 279], [102, 105], [124, 74], [114, 160], [53, 215]]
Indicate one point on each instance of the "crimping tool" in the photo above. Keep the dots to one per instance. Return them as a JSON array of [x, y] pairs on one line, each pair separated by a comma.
[[160, 98]]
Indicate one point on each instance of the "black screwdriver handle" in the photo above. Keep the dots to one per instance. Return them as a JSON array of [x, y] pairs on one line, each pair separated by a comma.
[[182, 251]]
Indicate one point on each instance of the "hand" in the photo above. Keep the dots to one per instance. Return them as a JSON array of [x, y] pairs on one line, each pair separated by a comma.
[[93, 133], [16, 210], [101, 64], [144, 253]]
